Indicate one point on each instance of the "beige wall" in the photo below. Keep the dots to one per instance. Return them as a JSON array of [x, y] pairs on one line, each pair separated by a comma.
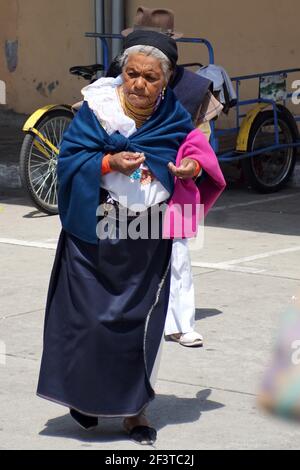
[[51, 39], [248, 37]]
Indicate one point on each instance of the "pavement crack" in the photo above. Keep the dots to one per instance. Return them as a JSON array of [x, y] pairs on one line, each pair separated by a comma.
[[26, 358], [206, 272], [248, 273], [7, 317], [239, 392]]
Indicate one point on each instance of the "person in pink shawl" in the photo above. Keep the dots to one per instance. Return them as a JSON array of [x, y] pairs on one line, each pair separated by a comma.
[[181, 223], [191, 201]]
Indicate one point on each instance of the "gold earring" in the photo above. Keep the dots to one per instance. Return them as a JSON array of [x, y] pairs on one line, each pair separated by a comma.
[[163, 93]]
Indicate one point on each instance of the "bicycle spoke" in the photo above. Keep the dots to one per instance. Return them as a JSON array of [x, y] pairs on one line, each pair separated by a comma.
[[35, 170], [64, 127], [34, 164], [43, 177], [54, 134], [42, 161], [37, 160], [40, 190], [60, 132], [54, 199], [47, 149], [271, 167], [35, 181], [45, 130], [48, 195]]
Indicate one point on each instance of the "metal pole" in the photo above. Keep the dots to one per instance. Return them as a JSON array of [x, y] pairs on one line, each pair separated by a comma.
[[118, 24], [108, 24], [99, 28]]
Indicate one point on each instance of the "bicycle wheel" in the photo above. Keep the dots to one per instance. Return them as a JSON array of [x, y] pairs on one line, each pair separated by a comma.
[[271, 171], [38, 160]]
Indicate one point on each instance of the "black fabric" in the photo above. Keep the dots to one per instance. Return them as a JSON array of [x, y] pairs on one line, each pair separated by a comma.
[[162, 42], [190, 89], [105, 318], [114, 70]]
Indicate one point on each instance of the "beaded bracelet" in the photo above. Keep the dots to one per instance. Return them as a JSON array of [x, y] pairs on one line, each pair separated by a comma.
[[105, 169], [198, 168]]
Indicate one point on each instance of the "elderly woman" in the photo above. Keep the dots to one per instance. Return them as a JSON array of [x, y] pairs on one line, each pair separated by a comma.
[[108, 296]]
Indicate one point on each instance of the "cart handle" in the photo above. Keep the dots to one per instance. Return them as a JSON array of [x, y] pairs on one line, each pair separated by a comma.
[[265, 74], [103, 38]]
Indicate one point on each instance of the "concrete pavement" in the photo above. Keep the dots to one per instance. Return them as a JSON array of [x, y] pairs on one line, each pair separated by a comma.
[[245, 277]]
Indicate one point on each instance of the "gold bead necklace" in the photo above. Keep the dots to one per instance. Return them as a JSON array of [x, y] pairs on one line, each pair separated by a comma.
[[139, 115]]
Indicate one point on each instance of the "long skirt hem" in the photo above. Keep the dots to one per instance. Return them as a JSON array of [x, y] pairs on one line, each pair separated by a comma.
[[98, 415], [104, 325]]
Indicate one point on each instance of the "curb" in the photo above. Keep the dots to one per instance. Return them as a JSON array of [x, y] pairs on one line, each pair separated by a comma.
[[295, 181], [10, 176]]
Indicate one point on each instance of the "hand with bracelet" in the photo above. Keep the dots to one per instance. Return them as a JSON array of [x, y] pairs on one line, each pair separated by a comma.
[[128, 162], [189, 168], [123, 162]]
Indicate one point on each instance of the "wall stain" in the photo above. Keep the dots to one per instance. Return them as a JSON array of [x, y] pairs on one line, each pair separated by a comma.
[[41, 89], [51, 87], [46, 90], [11, 54]]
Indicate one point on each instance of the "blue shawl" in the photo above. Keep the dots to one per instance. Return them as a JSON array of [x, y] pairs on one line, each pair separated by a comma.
[[86, 142]]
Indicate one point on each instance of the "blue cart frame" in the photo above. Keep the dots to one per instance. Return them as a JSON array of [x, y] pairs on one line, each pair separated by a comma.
[[37, 170], [232, 155]]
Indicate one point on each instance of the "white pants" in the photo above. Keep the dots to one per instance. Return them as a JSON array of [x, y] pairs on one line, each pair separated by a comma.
[[181, 310]]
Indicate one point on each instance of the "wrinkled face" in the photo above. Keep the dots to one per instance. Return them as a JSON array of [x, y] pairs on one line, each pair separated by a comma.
[[143, 80]]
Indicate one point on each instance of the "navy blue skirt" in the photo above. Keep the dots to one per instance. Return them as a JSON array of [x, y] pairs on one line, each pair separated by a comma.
[[104, 324]]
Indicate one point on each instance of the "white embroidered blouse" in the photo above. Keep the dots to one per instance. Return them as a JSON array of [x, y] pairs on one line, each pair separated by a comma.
[[136, 190]]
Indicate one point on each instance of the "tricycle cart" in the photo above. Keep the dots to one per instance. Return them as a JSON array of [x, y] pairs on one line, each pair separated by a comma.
[[264, 139]]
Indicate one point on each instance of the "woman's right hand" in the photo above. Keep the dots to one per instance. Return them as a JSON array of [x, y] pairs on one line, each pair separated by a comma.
[[126, 162]]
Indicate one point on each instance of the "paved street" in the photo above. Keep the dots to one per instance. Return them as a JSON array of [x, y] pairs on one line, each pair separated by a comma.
[[245, 277]]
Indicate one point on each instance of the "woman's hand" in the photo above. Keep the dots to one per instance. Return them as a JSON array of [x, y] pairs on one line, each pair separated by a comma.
[[186, 169], [126, 162]]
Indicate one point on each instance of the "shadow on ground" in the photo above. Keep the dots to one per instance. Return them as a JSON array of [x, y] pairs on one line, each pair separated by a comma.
[[165, 410], [206, 313]]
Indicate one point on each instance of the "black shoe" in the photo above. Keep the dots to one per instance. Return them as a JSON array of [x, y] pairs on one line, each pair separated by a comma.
[[144, 435], [85, 421]]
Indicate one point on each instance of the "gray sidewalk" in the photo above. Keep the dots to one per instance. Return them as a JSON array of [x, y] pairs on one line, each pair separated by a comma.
[[244, 277]]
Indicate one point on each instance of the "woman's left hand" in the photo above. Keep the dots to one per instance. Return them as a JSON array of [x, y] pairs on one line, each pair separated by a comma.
[[186, 169]]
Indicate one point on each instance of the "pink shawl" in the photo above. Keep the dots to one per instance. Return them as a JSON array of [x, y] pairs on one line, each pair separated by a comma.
[[184, 212]]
